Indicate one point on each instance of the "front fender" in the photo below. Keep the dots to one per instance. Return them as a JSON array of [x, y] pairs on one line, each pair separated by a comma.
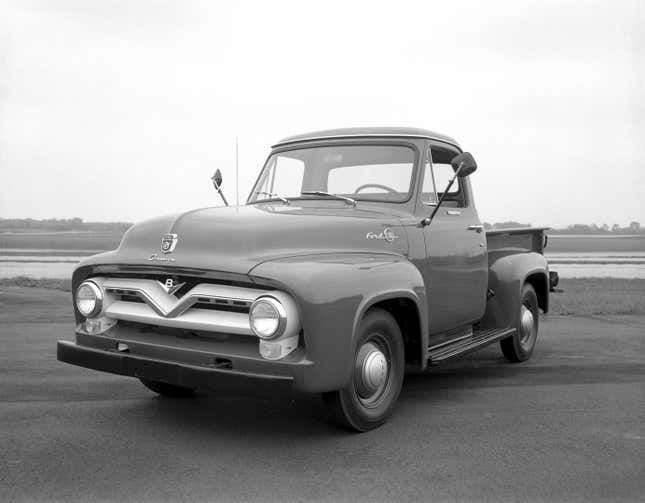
[[507, 274], [333, 292]]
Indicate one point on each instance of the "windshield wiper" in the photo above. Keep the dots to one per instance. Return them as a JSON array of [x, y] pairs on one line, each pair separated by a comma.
[[348, 200], [276, 196]]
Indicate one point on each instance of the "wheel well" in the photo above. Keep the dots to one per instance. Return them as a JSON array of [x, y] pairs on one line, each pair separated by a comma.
[[406, 314], [540, 284]]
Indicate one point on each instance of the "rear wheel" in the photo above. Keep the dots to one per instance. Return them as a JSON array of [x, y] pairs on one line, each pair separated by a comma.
[[519, 347], [377, 376], [168, 390]]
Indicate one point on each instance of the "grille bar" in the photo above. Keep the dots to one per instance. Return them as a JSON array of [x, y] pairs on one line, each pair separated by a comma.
[[193, 319]]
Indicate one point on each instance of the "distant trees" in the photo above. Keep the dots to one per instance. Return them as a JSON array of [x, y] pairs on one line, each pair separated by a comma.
[[60, 224], [632, 228], [505, 225], [77, 224]]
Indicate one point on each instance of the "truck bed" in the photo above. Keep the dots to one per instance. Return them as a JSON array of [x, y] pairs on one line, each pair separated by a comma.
[[519, 239]]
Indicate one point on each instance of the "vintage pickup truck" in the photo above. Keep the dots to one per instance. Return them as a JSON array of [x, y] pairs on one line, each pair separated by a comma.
[[358, 256]]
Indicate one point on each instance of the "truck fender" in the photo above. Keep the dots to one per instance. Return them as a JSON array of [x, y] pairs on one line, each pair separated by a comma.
[[412, 322], [333, 292], [506, 276]]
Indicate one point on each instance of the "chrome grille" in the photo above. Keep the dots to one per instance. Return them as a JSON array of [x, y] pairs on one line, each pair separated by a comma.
[[205, 306]]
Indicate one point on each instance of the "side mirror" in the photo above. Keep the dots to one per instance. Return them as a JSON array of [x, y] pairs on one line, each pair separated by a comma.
[[464, 164], [217, 183], [217, 179]]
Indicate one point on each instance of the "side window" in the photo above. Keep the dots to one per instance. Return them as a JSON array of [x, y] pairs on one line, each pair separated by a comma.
[[440, 174], [429, 191]]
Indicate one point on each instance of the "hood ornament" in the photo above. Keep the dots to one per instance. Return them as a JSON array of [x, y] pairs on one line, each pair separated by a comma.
[[168, 243]]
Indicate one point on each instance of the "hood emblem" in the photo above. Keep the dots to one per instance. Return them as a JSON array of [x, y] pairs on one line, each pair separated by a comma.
[[168, 243], [171, 286], [387, 234]]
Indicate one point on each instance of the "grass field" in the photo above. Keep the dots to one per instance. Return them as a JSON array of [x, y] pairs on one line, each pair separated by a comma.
[[81, 240], [588, 296], [569, 243], [581, 296]]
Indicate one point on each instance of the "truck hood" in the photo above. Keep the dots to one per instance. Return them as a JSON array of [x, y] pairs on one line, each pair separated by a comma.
[[236, 239]]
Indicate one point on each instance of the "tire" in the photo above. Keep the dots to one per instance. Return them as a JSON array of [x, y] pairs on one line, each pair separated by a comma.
[[519, 347], [168, 390], [376, 380]]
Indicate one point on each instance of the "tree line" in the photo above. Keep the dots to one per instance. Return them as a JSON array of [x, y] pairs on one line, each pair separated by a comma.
[[60, 224], [77, 224]]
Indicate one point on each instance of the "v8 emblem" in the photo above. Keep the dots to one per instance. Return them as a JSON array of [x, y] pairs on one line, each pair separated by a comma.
[[171, 286]]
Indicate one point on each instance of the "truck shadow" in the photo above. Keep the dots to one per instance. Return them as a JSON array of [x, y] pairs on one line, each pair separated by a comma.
[[287, 416], [247, 414]]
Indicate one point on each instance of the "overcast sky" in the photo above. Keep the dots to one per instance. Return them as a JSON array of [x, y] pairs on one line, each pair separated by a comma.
[[121, 110]]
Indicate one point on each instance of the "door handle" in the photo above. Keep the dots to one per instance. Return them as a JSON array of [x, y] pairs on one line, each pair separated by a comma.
[[477, 228]]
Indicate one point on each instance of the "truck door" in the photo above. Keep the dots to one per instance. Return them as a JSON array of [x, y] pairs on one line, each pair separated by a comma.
[[456, 272]]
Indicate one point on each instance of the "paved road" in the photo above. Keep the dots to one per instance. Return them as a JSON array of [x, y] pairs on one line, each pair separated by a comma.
[[569, 425]]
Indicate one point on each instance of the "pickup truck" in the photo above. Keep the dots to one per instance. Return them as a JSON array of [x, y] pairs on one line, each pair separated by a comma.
[[358, 256]]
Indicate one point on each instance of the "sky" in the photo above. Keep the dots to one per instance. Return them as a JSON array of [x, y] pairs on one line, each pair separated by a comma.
[[121, 110]]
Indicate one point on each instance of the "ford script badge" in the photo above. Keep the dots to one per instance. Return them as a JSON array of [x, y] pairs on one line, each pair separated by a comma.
[[168, 243], [387, 234]]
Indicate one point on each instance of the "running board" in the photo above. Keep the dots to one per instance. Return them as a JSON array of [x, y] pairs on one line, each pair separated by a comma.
[[480, 338]]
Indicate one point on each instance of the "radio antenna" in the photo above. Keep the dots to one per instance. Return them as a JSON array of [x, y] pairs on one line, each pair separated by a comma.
[[237, 178]]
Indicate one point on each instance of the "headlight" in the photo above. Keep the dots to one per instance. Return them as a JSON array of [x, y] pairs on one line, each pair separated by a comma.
[[268, 318], [89, 299]]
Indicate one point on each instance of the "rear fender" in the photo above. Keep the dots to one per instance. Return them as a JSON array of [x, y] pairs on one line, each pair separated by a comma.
[[507, 274], [333, 292]]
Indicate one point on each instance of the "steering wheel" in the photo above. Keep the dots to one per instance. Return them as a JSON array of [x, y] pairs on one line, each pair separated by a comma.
[[377, 186]]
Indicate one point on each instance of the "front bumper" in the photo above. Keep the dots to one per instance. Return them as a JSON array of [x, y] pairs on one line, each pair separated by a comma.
[[172, 372]]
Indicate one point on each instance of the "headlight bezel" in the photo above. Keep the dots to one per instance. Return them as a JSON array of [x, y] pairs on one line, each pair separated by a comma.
[[280, 311], [98, 302]]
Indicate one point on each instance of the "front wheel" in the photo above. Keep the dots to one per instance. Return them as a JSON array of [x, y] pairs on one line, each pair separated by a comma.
[[377, 376], [519, 347]]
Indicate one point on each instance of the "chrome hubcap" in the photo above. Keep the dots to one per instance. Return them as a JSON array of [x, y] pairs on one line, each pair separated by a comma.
[[371, 371], [527, 326]]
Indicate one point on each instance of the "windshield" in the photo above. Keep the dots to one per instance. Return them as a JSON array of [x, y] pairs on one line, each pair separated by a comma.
[[361, 172]]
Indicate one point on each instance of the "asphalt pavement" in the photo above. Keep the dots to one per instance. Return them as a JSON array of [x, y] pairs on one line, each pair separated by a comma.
[[568, 425]]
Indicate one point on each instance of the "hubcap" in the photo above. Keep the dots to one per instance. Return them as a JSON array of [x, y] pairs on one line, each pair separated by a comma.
[[527, 326], [371, 372]]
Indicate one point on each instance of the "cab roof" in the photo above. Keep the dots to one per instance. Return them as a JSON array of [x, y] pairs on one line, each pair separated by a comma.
[[358, 132]]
